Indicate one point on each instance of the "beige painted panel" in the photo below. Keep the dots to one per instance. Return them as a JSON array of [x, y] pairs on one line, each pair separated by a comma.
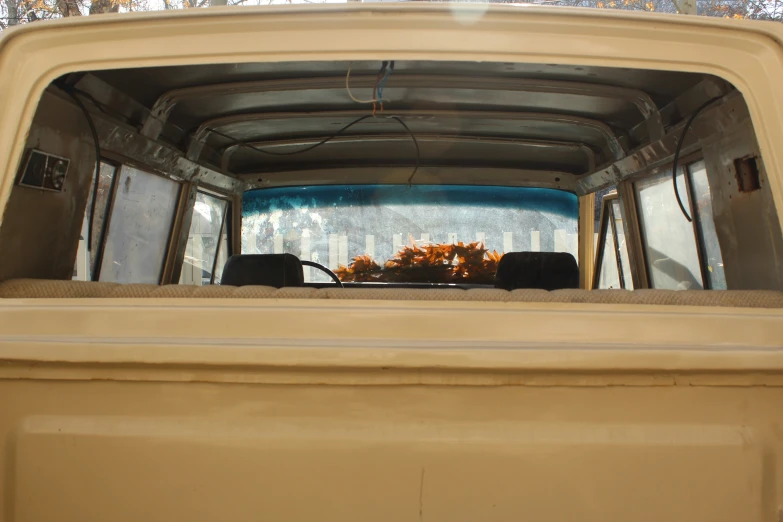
[[400, 334], [96, 451], [277, 410]]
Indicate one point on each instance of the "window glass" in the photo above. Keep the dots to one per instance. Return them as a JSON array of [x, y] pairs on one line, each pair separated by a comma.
[[139, 229], [608, 276], [85, 257], [393, 233], [709, 237], [622, 246], [670, 245], [203, 240], [223, 253]]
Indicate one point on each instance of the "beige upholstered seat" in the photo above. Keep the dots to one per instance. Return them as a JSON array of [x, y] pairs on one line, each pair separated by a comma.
[[30, 288]]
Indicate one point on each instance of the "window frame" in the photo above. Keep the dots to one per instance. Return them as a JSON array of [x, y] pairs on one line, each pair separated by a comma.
[[223, 229], [182, 213], [223, 226], [95, 271], [608, 219], [104, 233], [684, 168], [696, 222], [179, 242], [119, 165]]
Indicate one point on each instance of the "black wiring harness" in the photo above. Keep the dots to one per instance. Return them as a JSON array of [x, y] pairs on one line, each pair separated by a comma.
[[678, 150], [329, 138]]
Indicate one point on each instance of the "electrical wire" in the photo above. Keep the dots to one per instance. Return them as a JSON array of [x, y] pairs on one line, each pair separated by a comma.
[[380, 81], [105, 109], [415, 143], [300, 151], [677, 151], [382, 84], [327, 271], [98, 105], [70, 91], [348, 88], [381, 73], [374, 89], [328, 139]]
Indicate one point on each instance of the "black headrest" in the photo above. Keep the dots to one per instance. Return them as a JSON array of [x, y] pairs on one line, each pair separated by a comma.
[[276, 270], [544, 270]]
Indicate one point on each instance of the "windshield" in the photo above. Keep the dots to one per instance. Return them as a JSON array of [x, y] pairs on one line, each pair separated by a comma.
[[421, 233]]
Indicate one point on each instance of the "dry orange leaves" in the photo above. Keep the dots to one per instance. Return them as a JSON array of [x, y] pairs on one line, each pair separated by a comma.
[[434, 263]]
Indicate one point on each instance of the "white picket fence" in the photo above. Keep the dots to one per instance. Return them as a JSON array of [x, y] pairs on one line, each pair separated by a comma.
[[338, 245]]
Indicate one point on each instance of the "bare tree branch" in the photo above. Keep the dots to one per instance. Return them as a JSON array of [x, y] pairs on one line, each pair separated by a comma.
[[12, 9]]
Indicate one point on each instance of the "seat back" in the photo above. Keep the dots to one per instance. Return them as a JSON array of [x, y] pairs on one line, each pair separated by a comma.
[[544, 270], [278, 270]]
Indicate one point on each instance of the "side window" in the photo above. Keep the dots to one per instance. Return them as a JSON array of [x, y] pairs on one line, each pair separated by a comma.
[[608, 273], [669, 241], [88, 252], [613, 268], [708, 236], [620, 244], [224, 250], [680, 255], [139, 227], [207, 248]]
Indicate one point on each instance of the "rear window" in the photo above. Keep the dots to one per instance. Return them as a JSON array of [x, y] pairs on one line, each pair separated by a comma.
[[393, 233]]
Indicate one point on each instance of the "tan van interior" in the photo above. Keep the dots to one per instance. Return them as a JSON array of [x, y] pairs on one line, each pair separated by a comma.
[[340, 180], [249, 271]]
